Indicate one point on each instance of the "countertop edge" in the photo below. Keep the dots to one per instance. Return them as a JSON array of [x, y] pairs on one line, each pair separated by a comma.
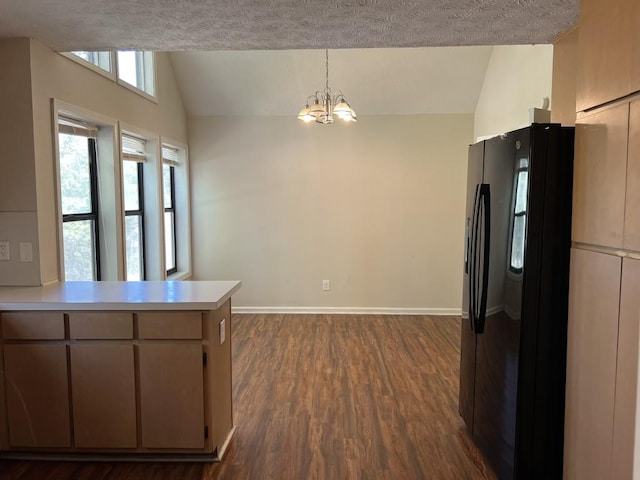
[[70, 305]]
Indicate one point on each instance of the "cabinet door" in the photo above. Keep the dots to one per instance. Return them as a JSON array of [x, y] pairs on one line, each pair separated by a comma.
[[632, 206], [172, 395], [624, 431], [37, 395], [592, 343], [104, 398], [604, 51], [635, 50], [599, 177]]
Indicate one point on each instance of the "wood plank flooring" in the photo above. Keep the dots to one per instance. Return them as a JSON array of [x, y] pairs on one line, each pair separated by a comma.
[[327, 397]]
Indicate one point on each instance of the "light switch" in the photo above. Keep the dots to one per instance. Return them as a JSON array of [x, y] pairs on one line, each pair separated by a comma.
[[223, 330]]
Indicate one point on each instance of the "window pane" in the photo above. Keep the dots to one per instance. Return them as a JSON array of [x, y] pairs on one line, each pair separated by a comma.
[[166, 186], [75, 178], [169, 246], [133, 232], [127, 68], [99, 59], [521, 192], [130, 185], [79, 248], [517, 242]]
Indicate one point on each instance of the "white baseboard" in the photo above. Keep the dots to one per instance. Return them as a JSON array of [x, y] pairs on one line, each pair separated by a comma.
[[348, 310]]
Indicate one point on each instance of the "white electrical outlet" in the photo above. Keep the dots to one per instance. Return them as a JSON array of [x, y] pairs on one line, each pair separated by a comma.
[[26, 252], [223, 330], [326, 285], [5, 253]]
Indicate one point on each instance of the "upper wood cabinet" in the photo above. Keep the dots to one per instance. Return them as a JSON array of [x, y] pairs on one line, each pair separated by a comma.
[[635, 50], [594, 295], [599, 178], [604, 51], [632, 205]]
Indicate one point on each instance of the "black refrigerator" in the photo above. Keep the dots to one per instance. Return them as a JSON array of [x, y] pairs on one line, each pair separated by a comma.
[[515, 299]]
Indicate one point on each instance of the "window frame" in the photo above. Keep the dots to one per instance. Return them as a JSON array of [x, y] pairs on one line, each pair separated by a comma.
[[110, 74], [146, 70], [171, 209], [140, 214], [94, 214]]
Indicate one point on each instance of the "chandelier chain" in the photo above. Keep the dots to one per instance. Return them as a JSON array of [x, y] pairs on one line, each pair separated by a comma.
[[326, 54]]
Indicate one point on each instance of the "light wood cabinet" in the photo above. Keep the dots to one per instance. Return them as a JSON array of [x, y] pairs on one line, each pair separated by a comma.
[[604, 52], [635, 49], [172, 395], [153, 383], [632, 204], [626, 390], [594, 295], [600, 170], [104, 397], [37, 395]]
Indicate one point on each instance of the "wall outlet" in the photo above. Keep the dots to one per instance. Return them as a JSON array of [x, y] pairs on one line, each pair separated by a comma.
[[5, 253], [326, 285], [26, 252], [223, 330]]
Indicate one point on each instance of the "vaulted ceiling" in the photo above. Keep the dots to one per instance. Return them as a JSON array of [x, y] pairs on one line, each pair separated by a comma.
[[375, 81]]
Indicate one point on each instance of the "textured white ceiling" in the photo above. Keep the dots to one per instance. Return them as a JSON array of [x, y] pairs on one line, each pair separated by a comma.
[[375, 81], [283, 24]]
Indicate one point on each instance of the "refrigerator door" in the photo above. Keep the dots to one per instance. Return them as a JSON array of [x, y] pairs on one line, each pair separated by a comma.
[[468, 337], [497, 347]]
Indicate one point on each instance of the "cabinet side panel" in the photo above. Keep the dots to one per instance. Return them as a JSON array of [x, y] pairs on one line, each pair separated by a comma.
[[222, 381], [37, 395], [594, 294]]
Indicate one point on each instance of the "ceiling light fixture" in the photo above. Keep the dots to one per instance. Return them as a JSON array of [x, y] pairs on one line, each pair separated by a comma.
[[324, 105]]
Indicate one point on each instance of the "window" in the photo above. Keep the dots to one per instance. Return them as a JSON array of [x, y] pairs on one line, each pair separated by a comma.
[[133, 158], [102, 60], [79, 200], [137, 70], [519, 225], [169, 162]]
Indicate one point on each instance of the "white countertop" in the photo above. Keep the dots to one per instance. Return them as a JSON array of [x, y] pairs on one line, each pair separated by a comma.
[[180, 295]]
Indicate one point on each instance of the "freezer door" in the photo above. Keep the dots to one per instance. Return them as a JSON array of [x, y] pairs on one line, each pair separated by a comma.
[[497, 348], [468, 337]]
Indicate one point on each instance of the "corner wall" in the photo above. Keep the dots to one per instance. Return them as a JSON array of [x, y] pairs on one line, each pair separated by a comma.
[[377, 208], [518, 78]]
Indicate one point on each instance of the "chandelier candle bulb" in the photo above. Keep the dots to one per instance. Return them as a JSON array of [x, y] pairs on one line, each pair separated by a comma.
[[325, 105]]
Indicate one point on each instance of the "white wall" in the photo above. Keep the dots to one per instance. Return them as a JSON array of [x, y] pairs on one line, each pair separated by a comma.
[[377, 208], [518, 78]]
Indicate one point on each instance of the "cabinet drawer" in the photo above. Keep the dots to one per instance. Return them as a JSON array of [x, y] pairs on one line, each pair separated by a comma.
[[33, 325], [101, 325], [170, 325]]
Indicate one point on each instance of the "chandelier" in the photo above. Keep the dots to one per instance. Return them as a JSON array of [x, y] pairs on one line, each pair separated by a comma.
[[324, 105]]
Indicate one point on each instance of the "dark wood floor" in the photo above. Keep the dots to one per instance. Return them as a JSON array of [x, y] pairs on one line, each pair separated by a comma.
[[327, 397]]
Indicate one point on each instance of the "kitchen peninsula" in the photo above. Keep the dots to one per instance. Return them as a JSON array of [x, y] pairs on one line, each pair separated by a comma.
[[140, 370]]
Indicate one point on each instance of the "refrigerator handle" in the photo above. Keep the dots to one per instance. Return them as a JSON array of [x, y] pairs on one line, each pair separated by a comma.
[[485, 195], [473, 259]]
